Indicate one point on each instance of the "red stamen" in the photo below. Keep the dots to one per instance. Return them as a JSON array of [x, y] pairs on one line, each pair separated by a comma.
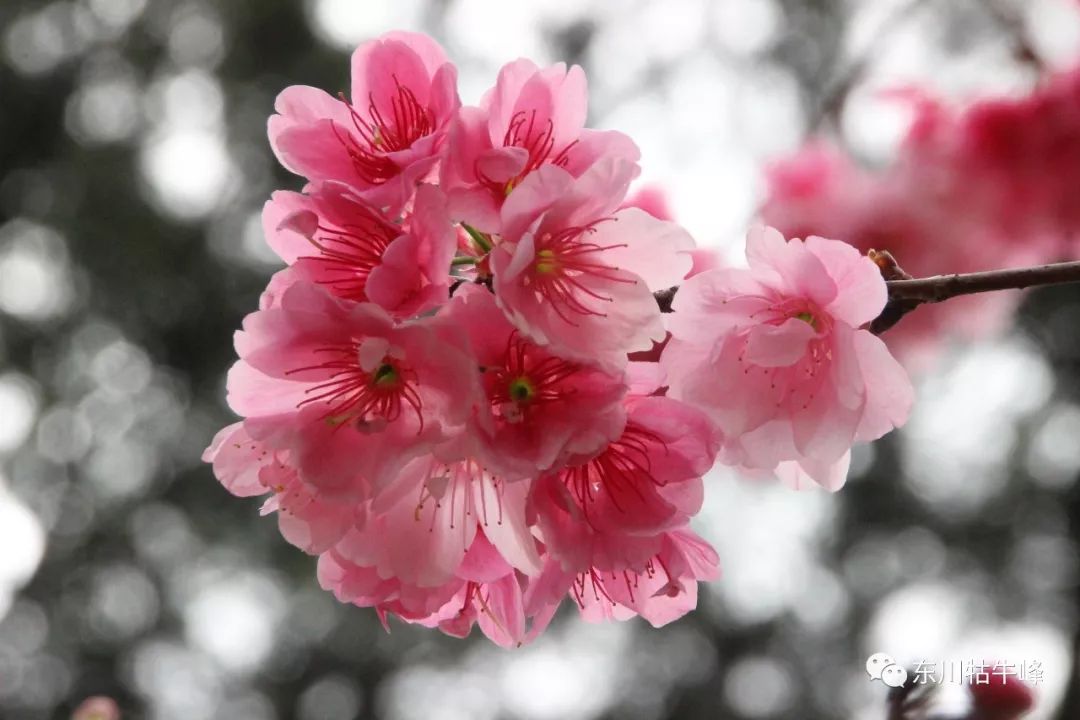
[[528, 378], [598, 589], [563, 260], [623, 468], [349, 253], [538, 139], [352, 393], [378, 134]]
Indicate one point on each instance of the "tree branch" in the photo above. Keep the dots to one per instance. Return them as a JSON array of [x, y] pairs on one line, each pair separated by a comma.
[[942, 287], [907, 293]]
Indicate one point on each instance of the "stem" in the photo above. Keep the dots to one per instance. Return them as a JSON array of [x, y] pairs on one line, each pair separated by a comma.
[[482, 241], [942, 287], [464, 260]]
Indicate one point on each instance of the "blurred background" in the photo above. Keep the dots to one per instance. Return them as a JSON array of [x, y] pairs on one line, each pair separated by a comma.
[[133, 167]]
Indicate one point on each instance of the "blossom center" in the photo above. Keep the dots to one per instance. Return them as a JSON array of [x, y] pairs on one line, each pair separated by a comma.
[[568, 268], [546, 263], [527, 379], [521, 390], [351, 393], [386, 375], [780, 311]]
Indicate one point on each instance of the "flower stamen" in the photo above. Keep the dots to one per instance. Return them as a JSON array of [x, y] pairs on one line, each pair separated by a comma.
[[349, 253], [377, 134], [351, 393], [564, 260]]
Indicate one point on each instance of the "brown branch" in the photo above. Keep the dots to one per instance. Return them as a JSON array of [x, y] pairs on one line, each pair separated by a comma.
[[942, 287], [907, 293]]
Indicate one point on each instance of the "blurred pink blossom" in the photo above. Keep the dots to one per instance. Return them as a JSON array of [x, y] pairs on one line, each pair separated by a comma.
[[990, 185]]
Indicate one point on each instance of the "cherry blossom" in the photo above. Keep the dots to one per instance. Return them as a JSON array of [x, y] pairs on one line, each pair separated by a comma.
[[461, 393], [997, 177], [610, 511], [388, 137], [539, 409], [348, 393], [334, 238], [532, 118], [776, 356], [574, 272]]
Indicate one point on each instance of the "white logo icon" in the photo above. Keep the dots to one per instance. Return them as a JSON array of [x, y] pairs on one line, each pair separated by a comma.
[[877, 663], [882, 667], [894, 676]]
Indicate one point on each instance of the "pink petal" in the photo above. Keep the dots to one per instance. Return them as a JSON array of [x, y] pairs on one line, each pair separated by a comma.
[[889, 393], [657, 251], [380, 66], [779, 345], [799, 273], [803, 474], [237, 460], [861, 292], [507, 529]]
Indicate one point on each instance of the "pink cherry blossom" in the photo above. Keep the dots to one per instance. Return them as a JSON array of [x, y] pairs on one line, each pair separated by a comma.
[[461, 394], [349, 394], [484, 591], [660, 590], [247, 467], [421, 526], [538, 409], [1010, 159], [776, 356], [532, 118], [385, 140], [576, 274], [238, 460], [334, 238], [987, 185], [609, 511], [97, 707], [512, 608], [364, 587], [307, 518]]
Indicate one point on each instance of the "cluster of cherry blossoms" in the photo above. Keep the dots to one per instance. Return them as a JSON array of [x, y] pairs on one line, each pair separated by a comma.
[[461, 394], [994, 184]]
